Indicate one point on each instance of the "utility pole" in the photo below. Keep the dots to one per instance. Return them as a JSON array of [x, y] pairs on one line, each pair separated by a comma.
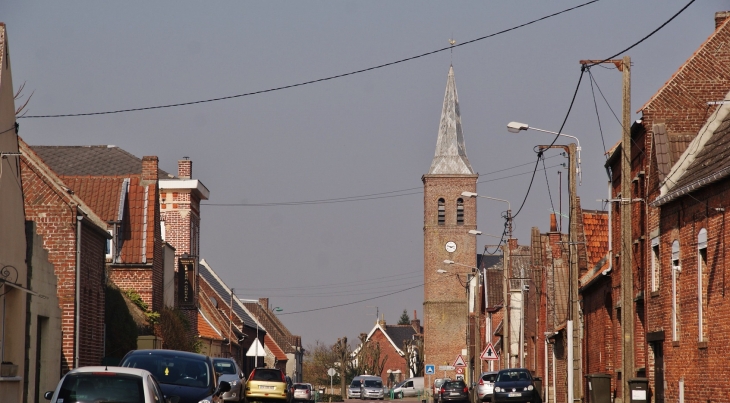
[[506, 342], [627, 273], [574, 307], [627, 279]]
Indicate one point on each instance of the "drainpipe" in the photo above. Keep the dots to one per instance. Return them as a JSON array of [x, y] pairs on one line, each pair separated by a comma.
[[77, 326]]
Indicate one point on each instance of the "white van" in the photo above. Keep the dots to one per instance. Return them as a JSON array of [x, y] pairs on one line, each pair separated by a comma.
[[409, 387]]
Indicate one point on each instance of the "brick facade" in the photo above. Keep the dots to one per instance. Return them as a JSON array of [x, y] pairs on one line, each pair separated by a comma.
[[444, 301], [54, 209]]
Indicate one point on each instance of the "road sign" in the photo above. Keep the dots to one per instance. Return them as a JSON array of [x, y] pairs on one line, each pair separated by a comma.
[[430, 369], [489, 354], [459, 361], [460, 370], [446, 367], [331, 372]]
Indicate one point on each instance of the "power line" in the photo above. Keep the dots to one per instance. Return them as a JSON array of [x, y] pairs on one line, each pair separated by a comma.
[[373, 196], [351, 303], [644, 38], [312, 81], [359, 282]]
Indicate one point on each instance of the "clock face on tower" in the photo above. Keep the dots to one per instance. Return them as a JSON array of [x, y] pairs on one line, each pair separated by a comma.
[[450, 247]]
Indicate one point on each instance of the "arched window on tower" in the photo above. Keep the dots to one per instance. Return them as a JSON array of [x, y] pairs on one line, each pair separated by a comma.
[[459, 211], [442, 211]]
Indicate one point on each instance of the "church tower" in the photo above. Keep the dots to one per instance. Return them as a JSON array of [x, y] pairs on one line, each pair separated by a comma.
[[447, 218]]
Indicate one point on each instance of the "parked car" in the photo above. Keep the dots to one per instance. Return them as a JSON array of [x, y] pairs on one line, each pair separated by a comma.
[[302, 392], [485, 386], [113, 384], [267, 384], [437, 387], [454, 391], [409, 388], [189, 376], [372, 388], [515, 385], [228, 371], [353, 391]]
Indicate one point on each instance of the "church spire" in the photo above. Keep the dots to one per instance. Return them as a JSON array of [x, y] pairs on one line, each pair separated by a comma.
[[450, 155]]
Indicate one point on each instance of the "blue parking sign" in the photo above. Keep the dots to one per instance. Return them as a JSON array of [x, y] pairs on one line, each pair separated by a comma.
[[430, 369]]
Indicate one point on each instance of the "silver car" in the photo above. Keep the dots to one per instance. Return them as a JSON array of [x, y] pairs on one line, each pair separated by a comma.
[[372, 388], [485, 388], [229, 371], [95, 384]]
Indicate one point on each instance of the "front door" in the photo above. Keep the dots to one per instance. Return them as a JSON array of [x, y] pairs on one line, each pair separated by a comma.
[[658, 372]]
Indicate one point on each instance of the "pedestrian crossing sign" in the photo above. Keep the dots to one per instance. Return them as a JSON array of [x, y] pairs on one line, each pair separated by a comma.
[[489, 354], [459, 361]]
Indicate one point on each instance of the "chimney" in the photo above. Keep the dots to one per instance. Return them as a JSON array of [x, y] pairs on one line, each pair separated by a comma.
[[720, 18], [381, 320], [185, 168], [553, 223], [149, 169], [264, 302], [416, 323]]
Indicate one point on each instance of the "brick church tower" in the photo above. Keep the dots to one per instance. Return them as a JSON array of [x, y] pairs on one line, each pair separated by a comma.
[[448, 217]]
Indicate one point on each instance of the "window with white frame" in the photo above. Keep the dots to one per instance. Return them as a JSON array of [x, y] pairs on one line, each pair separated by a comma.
[[655, 265], [676, 269], [701, 283]]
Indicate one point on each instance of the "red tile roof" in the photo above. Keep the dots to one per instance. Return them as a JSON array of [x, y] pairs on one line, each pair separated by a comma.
[[274, 348], [102, 194], [205, 330], [595, 225]]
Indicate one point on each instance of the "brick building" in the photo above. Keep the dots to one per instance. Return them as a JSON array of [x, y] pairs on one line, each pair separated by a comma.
[[394, 343], [123, 191], [448, 217], [676, 122], [76, 239]]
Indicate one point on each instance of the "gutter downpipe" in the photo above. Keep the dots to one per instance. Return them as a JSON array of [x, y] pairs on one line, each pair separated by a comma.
[[77, 327]]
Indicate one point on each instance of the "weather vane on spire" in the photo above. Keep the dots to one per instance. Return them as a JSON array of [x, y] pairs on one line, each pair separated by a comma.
[[452, 42]]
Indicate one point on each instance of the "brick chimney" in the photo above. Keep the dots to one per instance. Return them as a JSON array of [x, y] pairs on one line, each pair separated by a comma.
[[264, 302], [721, 17], [553, 223], [416, 323], [185, 168], [149, 169]]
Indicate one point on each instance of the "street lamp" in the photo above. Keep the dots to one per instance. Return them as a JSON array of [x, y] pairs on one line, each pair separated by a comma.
[[509, 209], [516, 127], [572, 331]]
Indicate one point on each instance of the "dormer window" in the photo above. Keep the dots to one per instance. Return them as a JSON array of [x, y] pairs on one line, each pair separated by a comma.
[[442, 212], [459, 211]]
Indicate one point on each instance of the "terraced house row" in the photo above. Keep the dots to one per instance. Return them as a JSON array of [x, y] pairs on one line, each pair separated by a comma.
[[100, 254]]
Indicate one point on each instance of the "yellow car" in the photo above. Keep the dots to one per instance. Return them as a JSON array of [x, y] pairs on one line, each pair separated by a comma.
[[266, 384]]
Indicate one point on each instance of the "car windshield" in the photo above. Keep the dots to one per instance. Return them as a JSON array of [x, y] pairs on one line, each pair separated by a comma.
[[513, 376], [224, 367], [455, 384], [355, 384], [106, 386], [173, 370], [488, 377], [373, 383], [300, 386]]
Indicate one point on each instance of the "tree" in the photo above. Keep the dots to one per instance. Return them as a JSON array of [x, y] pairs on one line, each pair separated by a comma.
[[414, 350], [368, 357], [404, 318], [318, 358]]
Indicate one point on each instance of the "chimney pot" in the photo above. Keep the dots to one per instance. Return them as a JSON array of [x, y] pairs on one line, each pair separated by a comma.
[[721, 17]]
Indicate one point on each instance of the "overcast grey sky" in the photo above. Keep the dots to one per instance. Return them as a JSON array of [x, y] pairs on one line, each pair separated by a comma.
[[365, 134]]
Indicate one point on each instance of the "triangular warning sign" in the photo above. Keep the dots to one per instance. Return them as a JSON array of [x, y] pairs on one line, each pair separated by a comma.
[[489, 354], [459, 362]]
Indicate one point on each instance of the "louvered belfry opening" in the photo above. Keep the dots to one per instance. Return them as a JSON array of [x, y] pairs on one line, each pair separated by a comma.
[[442, 212], [459, 211]]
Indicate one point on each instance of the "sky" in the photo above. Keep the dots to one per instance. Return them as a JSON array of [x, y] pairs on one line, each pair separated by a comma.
[[354, 147]]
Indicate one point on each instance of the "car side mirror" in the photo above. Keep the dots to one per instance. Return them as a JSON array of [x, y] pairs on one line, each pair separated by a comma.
[[172, 399], [48, 395], [224, 387]]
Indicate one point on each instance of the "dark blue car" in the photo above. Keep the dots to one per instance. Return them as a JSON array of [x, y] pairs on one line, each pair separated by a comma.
[[515, 385], [188, 376]]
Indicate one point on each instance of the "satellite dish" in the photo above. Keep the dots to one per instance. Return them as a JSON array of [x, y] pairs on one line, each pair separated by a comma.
[[214, 302]]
